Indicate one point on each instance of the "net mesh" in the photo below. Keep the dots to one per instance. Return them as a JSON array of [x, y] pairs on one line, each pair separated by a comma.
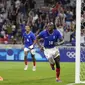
[[82, 57], [82, 64]]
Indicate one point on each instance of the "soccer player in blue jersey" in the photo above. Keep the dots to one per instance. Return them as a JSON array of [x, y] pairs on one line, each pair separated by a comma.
[[51, 37], [29, 42]]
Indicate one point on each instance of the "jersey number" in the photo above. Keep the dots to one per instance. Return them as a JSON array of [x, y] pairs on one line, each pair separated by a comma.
[[50, 42]]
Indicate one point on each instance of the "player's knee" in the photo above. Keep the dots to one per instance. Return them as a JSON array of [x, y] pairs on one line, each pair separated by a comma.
[[57, 59], [51, 60], [25, 54], [33, 52], [57, 64], [25, 57], [33, 56]]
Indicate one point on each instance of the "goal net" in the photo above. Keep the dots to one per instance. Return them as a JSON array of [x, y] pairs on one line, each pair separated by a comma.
[[82, 51], [80, 44]]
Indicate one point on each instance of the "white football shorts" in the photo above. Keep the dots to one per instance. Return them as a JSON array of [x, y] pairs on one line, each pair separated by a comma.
[[27, 49], [51, 53]]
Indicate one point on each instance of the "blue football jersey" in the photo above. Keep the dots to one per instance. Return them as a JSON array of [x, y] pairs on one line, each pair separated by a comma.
[[50, 39], [28, 39]]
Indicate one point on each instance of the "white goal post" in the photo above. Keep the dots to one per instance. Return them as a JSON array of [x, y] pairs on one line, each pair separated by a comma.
[[78, 26], [78, 47]]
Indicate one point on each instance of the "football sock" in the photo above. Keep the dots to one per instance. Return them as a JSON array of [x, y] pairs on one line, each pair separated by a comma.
[[34, 63], [57, 72]]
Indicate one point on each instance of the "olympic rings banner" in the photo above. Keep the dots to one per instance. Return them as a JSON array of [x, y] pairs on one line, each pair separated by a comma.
[[67, 54], [13, 54]]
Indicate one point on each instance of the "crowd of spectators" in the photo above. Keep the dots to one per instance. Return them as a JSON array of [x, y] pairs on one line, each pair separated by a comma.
[[15, 14]]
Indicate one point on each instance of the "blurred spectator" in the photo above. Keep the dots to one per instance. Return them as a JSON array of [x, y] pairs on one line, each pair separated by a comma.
[[6, 39], [60, 29], [67, 34], [82, 38], [22, 27], [68, 17], [32, 4], [17, 4], [16, 14]]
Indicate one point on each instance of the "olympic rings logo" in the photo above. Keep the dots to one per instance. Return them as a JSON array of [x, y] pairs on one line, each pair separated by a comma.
[[70, 54]]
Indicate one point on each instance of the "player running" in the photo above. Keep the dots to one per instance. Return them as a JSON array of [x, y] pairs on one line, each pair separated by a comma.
[[29, 42], [50, 37]]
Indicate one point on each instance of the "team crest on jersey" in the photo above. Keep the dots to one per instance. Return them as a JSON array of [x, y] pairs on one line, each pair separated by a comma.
[[53, 37], [29, 36], [46, 37]]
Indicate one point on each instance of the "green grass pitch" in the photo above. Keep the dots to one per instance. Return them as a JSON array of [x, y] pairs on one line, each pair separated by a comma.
[[13, 74]]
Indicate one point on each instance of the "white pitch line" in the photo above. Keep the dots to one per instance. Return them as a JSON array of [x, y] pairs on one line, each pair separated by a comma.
[[71, 84]]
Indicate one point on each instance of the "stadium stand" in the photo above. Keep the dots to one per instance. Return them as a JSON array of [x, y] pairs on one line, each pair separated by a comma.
[[15, 14]]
